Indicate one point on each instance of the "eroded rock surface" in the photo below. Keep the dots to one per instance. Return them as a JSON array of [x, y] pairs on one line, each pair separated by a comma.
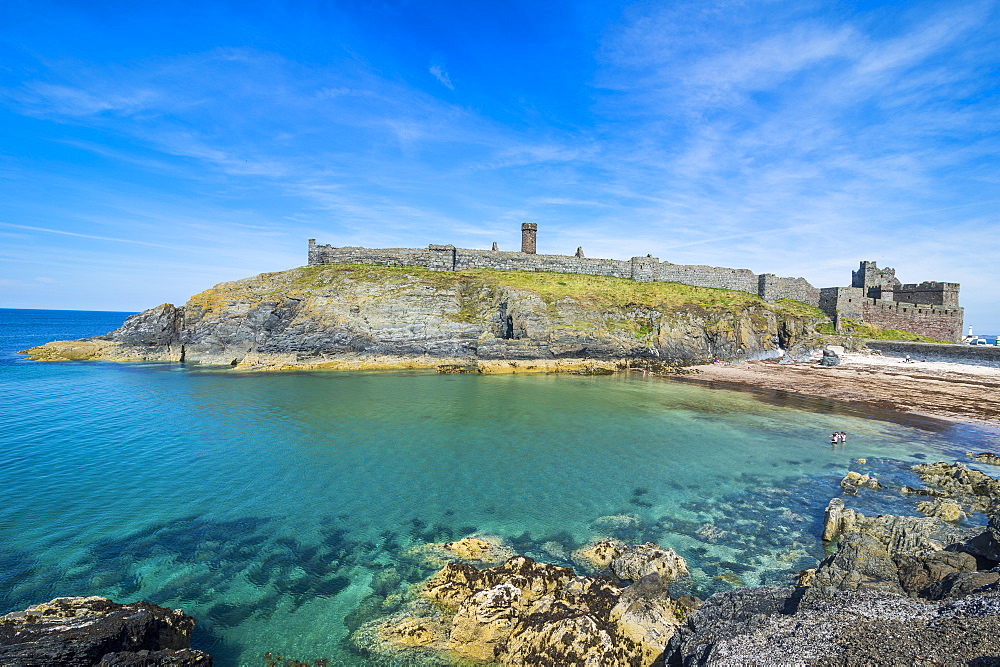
[[71, 631], [524, 612], [769, 626], [356, 316]]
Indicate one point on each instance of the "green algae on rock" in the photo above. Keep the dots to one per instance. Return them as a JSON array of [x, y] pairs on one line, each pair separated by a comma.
[[368, 317]]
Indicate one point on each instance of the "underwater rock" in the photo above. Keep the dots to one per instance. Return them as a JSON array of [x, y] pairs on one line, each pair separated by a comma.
[[616, 522], [72, 631], [524, 612], [477, 550], [769, 626], [855, 480]]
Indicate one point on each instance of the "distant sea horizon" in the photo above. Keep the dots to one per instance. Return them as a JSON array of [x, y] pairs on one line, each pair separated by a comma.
[[266, 504]]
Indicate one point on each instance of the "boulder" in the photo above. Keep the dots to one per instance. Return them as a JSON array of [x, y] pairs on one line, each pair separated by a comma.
[[71, 631], [830, 358], [855, 480], [597, 555], [974, 490], [637, 561]]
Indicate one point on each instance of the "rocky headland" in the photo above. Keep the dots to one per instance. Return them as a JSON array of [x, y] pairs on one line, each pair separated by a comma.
[[368, 317]]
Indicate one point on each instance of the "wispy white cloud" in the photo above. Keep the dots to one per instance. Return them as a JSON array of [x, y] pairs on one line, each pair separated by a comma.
[[442, 76]]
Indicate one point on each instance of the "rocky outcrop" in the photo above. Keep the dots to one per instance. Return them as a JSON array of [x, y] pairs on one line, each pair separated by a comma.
[[986, 457], [71, 631], [357, 316], [524, 612], [769, 626], [970, 490]]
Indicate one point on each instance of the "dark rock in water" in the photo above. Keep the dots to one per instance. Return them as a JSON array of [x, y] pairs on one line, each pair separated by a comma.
[[765, 626], [184, 657], [71, 631], [830, 358]]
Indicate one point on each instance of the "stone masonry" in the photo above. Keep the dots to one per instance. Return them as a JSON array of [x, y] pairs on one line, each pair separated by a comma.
[[875, 296]]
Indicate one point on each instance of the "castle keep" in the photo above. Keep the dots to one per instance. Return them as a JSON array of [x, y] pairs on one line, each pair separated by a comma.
[[874, 297]]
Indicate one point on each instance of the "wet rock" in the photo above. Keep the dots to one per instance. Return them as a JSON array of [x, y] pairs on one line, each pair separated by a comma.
[[855, 480], [524, 612], [974, 490], [767, 626], [184, 657], [86, 630], [986, 457], [945, 509], [830, 358], [637, 561], [597, 555]]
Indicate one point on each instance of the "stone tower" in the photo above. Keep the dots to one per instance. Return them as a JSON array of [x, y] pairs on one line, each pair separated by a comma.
[[529, 233]]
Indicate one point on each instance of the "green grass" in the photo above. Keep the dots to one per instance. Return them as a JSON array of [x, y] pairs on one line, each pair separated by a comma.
[[598, 291], [873, 332]]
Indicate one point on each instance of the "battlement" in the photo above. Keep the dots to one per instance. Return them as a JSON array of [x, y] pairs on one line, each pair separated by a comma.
[[644, 269], [876, 296]]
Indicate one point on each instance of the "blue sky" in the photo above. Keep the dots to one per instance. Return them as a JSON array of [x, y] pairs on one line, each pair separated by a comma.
[[150, 150]]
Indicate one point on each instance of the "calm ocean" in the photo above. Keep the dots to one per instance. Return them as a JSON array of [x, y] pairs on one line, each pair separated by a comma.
[[263, 504]]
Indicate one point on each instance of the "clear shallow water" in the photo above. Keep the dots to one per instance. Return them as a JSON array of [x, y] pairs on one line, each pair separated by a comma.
[[263, 504]]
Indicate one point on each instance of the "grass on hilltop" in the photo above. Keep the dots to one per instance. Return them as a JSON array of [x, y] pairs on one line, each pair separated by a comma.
[[598, 291]]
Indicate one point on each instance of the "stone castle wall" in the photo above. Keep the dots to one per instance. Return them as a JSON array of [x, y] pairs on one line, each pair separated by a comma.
[[941, 322], [876, 297], [644, 269]]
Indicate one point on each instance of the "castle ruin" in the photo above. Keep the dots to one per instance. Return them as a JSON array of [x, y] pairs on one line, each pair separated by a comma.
[[874, 297]]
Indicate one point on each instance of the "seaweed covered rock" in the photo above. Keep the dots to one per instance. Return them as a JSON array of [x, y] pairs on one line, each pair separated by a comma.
[[71, 631], [524, 612]]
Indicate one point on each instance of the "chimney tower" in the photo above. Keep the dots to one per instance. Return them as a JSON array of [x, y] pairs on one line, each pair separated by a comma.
[[529, 232]]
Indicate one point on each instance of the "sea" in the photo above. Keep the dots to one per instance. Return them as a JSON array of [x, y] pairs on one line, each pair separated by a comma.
[[284, 510]]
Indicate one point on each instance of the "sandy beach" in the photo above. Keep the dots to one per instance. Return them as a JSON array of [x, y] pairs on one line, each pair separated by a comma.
[[957, 392]]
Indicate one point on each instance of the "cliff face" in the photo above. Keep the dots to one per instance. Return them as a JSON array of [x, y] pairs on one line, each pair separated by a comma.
[[350, 316]]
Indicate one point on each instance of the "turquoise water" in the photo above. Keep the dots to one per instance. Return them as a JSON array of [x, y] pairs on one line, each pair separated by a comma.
[[262, 504]]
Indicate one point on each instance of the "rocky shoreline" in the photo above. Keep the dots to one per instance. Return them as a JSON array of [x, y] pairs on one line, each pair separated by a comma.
[[894, 589]]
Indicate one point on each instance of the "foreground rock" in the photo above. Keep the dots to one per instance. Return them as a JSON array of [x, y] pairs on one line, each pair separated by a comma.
[[768, 626], [524, 612], [71, 631], [356, 316]]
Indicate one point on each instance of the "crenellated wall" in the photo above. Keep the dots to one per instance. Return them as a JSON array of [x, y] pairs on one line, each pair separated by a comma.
[[644, 269], [876, 296]]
